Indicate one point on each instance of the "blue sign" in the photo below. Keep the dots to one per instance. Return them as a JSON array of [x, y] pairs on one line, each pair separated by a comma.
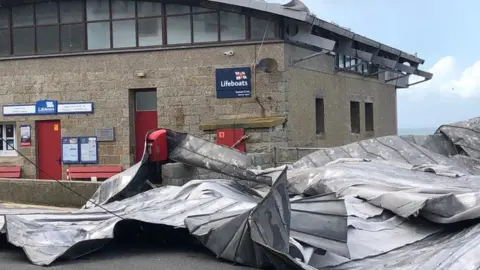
[[234, 82], [46, 107]]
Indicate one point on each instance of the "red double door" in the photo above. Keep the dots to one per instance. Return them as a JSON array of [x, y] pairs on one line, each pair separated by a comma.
[[145, 118]]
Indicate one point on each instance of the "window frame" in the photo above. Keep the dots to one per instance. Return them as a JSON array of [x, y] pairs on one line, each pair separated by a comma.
[[355, 117], [5, 152], [344, 63], [369, 117], [320, 116], [163, 17]]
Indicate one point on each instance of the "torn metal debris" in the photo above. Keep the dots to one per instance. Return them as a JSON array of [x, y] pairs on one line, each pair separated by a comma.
[[396, 202]]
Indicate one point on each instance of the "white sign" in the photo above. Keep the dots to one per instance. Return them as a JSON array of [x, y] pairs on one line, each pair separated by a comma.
[[86, 107], [19, 109]]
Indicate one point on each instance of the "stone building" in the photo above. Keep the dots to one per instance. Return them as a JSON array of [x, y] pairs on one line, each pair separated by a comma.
[[82, 81]]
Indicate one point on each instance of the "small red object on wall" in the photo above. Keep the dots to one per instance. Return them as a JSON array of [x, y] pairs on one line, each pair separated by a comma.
[[157, 145], [232, 137]]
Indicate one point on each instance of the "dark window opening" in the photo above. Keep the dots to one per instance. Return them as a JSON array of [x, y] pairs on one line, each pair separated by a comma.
[[356, 65], [355, 117], [369, 124], [320, 116]]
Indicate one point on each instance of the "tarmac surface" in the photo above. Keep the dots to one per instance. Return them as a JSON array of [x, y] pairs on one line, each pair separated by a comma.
[[174, 250], [122, 257]]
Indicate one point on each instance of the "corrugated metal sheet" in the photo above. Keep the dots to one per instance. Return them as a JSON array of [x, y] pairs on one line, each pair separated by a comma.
[[387, 203]]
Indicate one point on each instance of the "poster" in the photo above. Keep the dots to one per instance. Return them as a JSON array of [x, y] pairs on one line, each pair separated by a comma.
[[25, 135], [70, 150], [88, 150]]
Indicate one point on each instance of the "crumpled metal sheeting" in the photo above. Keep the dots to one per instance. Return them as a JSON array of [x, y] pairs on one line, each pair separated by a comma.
[[326, 210], [18, 209], [445, 250], [117, 185], [391, 148], [182, 148], [438, 143], [396, 187], [465, 135], [47, 237], [201, 153], [371, 231], [257, 238]]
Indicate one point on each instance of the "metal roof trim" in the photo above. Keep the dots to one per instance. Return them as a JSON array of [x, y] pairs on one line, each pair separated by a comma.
[[278, 9]]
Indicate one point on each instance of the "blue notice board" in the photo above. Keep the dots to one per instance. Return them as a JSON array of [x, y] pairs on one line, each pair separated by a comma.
[[233, 82], [70, 151], [88, 149]]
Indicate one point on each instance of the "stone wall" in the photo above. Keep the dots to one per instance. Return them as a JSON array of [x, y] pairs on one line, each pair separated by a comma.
[[46, 192], [185, 83], [316, 78]]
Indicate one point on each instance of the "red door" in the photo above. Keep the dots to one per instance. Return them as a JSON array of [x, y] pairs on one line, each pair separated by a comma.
[[49, 153], [145, 118]]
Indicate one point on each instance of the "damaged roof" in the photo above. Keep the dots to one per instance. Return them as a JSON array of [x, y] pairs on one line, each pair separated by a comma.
[[386, 203]]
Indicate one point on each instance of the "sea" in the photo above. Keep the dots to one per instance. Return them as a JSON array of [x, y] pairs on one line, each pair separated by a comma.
[[417, 131]]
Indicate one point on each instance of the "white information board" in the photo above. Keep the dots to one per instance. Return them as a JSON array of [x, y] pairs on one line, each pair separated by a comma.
[[88, 150]]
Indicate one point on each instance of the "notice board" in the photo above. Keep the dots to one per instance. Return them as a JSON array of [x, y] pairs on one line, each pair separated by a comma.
[[70, 150], [88, 149]]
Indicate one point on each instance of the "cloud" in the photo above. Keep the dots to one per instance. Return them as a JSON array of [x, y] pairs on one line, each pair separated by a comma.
[[448, 81]]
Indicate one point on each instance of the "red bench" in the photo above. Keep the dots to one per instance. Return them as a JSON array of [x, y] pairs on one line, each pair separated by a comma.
[[103, 172], [10, 172]]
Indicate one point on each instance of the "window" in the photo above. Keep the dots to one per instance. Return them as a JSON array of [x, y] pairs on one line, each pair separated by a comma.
[[352, 64], [205, 27], [52, 27], [355, 117], [369, 124], [150, 32], [179, 29], [146, 101], [262, 28], [7, 141], [232, 26], [320, 116]]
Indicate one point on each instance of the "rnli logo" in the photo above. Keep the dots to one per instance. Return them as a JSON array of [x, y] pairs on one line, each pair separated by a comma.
[[240, 75]]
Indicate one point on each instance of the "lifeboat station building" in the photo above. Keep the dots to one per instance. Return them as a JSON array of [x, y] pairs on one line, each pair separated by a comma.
[[81, 82]]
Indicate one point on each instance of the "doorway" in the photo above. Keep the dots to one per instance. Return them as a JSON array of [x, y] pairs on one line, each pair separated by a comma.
[[49, 153], [145, 118]]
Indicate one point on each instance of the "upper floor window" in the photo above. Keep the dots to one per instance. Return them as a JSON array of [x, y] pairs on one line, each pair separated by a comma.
[[353, 64], [86, 25]]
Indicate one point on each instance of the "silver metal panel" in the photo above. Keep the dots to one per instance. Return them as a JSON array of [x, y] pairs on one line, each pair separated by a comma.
[[405, 68], [338, 30], [397, 79], [391, 64], [365, 56], [367, 41], [390, 49], [258, 5], [424, 74]]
